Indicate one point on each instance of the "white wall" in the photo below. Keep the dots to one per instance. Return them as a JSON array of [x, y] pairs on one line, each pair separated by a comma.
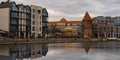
[[4, 19]]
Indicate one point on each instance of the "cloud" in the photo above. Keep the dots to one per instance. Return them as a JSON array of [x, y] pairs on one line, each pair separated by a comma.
[[75, 9]]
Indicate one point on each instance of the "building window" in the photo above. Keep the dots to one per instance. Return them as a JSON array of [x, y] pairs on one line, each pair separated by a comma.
[[13, 28], [33, 28], [27, 29], [33, 23], [27, 22], [14, 7], [33, 11], [14, 14], [40, 29], [21, 9], [39, 11], [27, 16], [14, 21], [40, 17], [33, 16], [28, 9]]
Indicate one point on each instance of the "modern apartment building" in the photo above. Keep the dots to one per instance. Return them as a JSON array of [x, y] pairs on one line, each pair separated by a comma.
[[36, 21], [15, 19], [24, 22]]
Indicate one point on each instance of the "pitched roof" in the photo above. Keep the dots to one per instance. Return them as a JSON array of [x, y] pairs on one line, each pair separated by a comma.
[[87, 17], [63, 20]]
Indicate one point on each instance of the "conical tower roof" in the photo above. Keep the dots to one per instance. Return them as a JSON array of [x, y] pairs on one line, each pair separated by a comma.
[[87, 17]]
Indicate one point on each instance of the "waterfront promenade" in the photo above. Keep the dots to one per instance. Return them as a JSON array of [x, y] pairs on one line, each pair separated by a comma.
[[7, 41]]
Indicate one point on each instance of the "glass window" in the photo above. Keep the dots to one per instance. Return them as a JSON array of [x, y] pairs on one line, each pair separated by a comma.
[[21, 9], [14, 14], [33, 11], [27, 16], [27, 9], [33, 23], [14, 21], [27, 22], [33, 16], [13, 28], [33, 28], [40, 28], [14, 7], [27, 29]]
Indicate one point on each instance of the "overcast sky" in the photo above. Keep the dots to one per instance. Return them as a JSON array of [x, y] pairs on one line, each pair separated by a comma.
[[75, 9]]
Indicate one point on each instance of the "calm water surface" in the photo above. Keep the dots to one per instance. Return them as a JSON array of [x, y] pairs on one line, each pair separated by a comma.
[[75, 51], [63, 51]]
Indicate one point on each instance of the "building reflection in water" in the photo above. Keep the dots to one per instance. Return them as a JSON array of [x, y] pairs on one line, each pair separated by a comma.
[[106, 46], [31, 51], [86, 46], [19, 52]]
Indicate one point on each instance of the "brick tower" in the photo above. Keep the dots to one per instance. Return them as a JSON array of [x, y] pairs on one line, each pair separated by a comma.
[[87, 26]]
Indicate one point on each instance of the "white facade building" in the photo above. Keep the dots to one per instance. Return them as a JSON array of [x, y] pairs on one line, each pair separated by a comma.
[[36, 21]]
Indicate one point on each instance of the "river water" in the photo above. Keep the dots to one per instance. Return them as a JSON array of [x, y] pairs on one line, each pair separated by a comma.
[[62, 51]]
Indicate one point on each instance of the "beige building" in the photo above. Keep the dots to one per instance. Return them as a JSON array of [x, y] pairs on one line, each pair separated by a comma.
[[4, 18], [36, 21], [74, 27]]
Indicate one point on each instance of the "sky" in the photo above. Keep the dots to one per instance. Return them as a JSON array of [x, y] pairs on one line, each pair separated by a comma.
[[75, 9]]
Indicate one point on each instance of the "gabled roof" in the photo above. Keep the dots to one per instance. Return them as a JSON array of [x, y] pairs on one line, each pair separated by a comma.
[[87, 17], [63, 20]]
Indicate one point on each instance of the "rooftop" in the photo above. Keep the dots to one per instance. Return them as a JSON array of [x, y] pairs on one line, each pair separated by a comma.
[[87, 17]]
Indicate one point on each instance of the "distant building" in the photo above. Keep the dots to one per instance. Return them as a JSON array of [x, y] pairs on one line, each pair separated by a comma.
[[36, 21], [87, 26], [63, 23], [106, 27]]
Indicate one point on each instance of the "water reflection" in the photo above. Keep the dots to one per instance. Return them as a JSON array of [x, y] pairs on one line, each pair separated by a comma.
[[76, 51], [62, 51], [87, 46], [14, 52]]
